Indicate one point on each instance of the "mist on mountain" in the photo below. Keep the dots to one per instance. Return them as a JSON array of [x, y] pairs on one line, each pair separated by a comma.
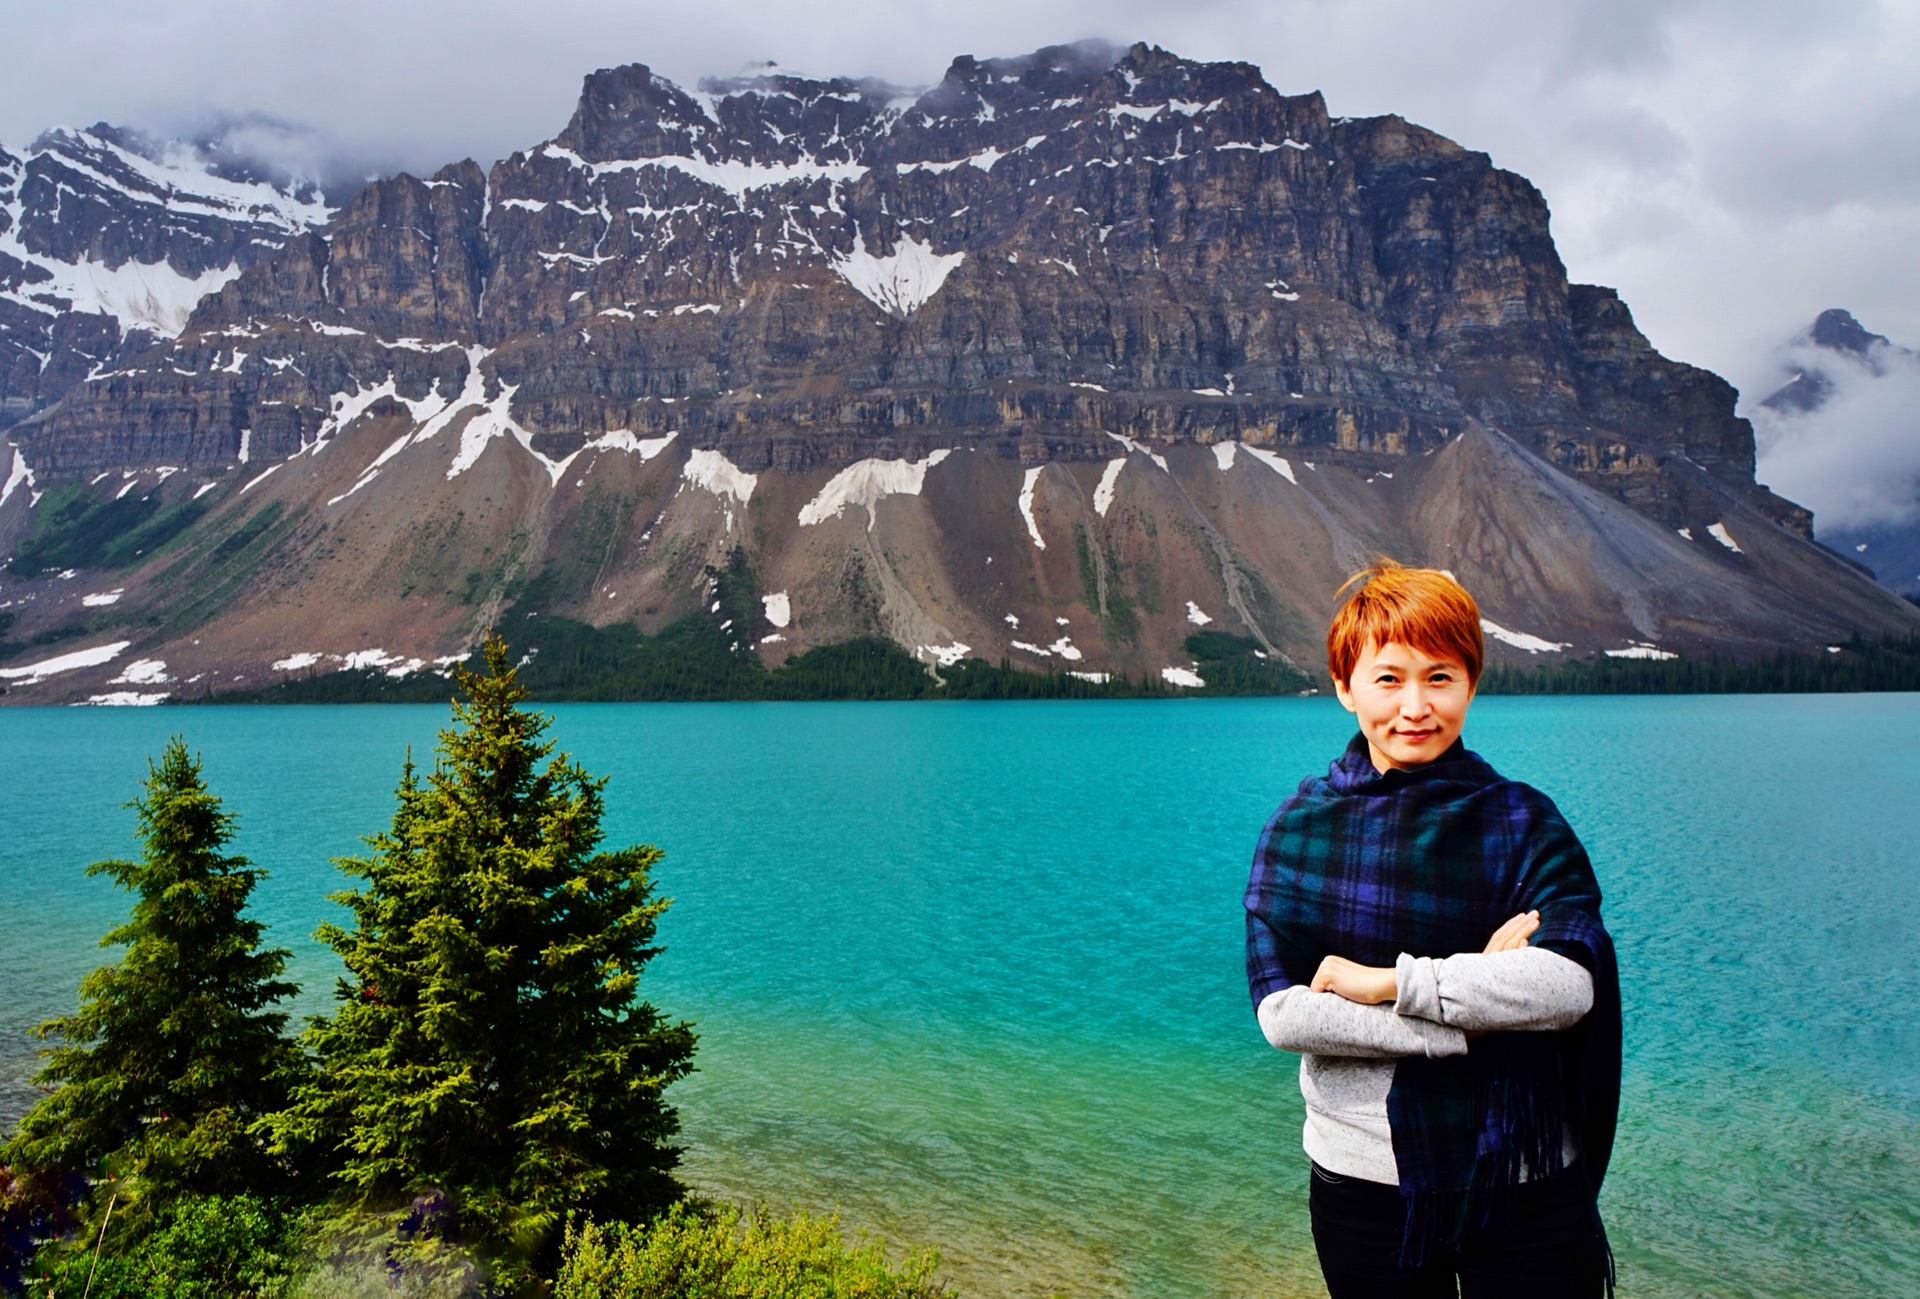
[[1841, 435]]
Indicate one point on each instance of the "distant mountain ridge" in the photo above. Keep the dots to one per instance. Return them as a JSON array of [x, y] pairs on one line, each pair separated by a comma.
[[1059, 361]]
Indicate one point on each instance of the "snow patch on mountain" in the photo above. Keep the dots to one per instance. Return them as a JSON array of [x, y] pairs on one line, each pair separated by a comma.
[[1103, 492], [945, 655], [865, 483], [140, 295], [491, 421], [17, 475], [621, 439], [143, 672], [719, 475], [1027, 486], [1133, 446], [1643, 650], [1519, 639], [901, 282], [128, 699], [1224, 452], [735, 177], [92, 657]]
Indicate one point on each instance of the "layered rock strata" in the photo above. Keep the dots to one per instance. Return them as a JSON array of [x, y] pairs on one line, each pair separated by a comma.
[[1059, 360]]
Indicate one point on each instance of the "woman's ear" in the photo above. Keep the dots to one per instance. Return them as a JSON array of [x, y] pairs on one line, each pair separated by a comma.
[[1345, 695]]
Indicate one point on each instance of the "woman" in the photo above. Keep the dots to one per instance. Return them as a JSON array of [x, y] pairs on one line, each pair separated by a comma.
[[1427, 935]]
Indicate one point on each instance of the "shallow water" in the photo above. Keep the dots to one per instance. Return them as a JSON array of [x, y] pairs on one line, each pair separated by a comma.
[[972, 972]]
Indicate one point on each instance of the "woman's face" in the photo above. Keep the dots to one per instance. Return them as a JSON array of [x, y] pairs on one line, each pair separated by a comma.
[[1410, 704]]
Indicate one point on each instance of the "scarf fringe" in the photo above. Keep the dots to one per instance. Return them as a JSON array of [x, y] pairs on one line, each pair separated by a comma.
[[1519, 1108]]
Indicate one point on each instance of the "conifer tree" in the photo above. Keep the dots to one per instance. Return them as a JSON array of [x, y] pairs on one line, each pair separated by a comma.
[[489, 1040], [173, 1054]]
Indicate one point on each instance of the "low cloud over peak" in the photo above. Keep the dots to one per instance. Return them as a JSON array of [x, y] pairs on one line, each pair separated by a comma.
[[1842, 437]]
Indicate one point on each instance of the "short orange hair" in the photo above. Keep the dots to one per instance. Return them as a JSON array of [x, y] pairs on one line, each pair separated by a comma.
[[1422, 608]]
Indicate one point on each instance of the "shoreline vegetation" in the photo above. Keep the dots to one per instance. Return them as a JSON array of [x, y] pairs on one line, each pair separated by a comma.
[[688, 662], [412, 1140], [575, 663]]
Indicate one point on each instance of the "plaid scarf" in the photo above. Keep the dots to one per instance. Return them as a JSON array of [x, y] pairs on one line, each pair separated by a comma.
[[1367, 864]]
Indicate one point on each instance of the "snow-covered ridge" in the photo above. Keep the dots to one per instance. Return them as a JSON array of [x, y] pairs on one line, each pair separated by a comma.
[[489, 419], [177, 181], [735, 177], [1133, 446]]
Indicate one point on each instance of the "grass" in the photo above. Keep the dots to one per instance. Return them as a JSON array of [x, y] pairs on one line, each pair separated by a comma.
[[727, 1255]]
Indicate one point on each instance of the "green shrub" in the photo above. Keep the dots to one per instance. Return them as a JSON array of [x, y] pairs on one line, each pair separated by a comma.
[[237, 1246], [686, 1255]]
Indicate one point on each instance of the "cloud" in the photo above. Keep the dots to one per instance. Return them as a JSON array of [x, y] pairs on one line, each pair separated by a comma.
[[1855, 462]]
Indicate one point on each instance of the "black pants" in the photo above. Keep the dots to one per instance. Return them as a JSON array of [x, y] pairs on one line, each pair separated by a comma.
[[1544, 1239]]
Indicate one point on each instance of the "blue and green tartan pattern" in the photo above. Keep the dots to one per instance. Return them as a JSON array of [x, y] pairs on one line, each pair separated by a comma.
[[1430, 861]]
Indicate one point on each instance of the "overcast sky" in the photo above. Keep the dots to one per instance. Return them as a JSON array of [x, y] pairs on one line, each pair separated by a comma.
[[1733, 166]]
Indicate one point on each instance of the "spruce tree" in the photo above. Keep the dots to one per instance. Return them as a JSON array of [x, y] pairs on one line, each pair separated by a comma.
[[489, 1040], [173, 1055]]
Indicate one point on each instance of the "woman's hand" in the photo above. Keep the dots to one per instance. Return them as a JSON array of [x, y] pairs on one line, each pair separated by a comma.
[[1513, 935], [1367, 984]]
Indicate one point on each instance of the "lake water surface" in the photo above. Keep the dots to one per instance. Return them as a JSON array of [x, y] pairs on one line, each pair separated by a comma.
[[972, 974]]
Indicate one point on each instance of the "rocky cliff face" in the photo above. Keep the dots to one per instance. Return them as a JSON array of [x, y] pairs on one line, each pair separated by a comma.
[[1112, 339], [108, 240]]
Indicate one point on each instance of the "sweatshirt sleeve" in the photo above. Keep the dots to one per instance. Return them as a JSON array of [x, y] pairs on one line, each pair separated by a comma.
[[1325, 1023], [1526, 988]]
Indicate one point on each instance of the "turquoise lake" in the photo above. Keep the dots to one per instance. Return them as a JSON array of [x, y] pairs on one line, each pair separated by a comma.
[[971, 973]]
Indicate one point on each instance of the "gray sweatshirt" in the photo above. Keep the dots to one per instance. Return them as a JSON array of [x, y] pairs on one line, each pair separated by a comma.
[[1348, 1050]]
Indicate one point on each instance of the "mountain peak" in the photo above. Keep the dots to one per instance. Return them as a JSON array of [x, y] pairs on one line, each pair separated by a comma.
[[1809, 386], [1838, 330]]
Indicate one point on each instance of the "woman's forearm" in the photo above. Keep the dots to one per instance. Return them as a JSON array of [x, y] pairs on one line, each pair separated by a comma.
[[1325, 1023], [1529, 988]]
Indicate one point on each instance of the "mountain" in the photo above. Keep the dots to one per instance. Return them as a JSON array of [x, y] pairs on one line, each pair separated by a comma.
[[1058, 362], [1837, 333], [1842, 424], [108, 240]]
